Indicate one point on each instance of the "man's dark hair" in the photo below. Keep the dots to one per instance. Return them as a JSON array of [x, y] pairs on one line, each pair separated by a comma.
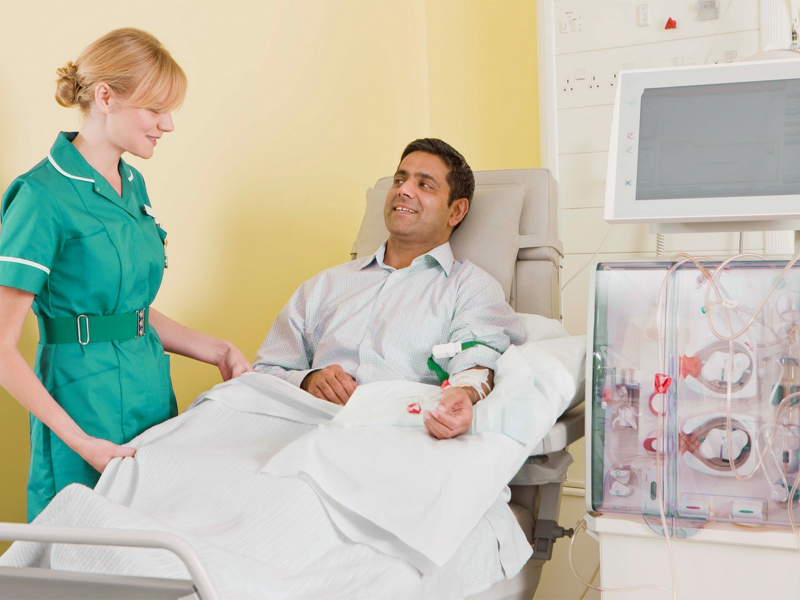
[[459, 178]]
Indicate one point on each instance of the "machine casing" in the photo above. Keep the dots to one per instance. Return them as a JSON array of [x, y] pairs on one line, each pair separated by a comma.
[[626, 338]]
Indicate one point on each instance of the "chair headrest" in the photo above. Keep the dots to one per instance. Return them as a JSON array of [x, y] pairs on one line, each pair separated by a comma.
[[513, 216]]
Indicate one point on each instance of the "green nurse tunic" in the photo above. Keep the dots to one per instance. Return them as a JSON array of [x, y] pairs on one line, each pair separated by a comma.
[[86, 253]]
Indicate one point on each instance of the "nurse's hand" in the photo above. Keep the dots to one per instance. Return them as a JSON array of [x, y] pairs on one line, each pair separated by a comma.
[[99, 453], [233, 363], [453, 416]]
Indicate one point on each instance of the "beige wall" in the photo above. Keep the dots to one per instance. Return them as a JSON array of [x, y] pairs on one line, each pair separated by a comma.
[[294, 109]]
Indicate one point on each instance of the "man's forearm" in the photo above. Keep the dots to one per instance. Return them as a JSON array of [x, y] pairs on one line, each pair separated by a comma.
[[471, 385]]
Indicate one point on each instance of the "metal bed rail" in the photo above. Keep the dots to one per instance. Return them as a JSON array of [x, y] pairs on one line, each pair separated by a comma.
[[201, 580]]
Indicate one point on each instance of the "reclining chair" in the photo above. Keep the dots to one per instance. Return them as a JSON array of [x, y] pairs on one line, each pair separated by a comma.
[[511, 232]]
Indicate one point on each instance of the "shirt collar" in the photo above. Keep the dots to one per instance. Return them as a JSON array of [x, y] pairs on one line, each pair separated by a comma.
[[66, 159], [441, 255]]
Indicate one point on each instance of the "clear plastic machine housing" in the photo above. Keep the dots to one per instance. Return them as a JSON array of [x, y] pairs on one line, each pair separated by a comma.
[[645, 362]]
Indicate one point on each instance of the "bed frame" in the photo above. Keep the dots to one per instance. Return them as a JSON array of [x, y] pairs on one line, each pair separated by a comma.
[[535, 490]]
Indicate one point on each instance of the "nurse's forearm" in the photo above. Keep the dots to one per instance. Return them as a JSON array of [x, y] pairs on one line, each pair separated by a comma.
[[21, 382], [187, 342], [18, 378]]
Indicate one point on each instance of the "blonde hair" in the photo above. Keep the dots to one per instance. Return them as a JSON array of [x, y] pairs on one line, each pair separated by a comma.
[[133, 64]]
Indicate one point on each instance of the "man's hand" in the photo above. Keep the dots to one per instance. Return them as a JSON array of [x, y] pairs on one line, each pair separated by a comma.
[[453, 416], [331, 383]]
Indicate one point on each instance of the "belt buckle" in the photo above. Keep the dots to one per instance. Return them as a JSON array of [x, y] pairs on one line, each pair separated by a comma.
[[80, 334], [140, 323]]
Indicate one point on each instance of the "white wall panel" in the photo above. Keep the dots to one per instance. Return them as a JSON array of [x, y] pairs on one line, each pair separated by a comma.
[[613, 23], [584, 129], [727, 243], [583, 179], [583, 229], [598, 67], [575, 295]]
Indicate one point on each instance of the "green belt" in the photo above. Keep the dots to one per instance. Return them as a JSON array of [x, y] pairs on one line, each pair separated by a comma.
[[86, 329]]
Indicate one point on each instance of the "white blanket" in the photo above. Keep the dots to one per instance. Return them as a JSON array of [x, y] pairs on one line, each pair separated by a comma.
[[397, 488], [198, 476]]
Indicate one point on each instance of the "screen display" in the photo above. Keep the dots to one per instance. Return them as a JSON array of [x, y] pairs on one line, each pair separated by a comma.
[[720, 141]]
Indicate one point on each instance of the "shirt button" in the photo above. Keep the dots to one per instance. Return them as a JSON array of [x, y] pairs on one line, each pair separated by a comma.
[[97, 189], [368, 342], [381, 305]]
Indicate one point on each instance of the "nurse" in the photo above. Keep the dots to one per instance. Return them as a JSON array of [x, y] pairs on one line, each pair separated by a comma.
[[81, 245]]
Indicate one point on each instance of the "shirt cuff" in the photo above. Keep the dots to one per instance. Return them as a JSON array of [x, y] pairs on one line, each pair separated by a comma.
[[23, 275], [477, 356], [297, 377]]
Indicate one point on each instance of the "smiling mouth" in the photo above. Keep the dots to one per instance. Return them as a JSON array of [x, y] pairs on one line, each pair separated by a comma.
[[152, 139], [402, 209]]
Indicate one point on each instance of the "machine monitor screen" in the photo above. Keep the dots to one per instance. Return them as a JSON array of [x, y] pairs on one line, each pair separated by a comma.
[[718, 143], [724, 140]]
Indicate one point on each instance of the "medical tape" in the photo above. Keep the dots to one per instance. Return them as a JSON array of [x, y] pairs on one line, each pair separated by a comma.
[[474, 378]]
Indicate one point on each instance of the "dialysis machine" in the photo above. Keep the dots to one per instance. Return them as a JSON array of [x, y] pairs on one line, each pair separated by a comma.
[[661, 378], [692, 408], [686, 358]]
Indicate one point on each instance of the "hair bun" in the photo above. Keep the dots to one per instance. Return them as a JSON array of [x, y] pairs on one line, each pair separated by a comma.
[[67, 85], [69, 70]]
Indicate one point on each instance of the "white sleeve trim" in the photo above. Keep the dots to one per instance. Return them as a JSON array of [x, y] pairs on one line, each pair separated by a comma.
[[27, 263], [64, 173]]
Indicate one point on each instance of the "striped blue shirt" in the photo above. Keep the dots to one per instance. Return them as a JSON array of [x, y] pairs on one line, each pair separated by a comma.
[[379, 323]]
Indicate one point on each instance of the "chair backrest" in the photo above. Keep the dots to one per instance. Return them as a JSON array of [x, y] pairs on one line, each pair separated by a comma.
[[511, 231]]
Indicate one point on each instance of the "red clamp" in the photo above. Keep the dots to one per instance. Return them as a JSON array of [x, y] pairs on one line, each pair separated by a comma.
[[662, 383], [445, 384], [414, 408], [671, 24]]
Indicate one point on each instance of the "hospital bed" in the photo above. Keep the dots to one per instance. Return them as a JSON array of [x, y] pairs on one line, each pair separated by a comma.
[[511, 232]]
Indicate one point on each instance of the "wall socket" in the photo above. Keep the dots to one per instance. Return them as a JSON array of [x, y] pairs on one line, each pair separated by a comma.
[[570, 23], [643, 15]]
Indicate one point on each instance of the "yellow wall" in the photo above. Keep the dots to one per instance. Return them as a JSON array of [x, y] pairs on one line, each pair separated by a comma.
[[294, 109], [484, 89]]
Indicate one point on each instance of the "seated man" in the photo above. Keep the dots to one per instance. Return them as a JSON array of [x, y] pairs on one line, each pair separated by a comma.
[[377, 318]]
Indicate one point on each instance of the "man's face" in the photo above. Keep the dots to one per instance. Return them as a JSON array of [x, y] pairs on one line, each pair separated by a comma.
[[416, 207]]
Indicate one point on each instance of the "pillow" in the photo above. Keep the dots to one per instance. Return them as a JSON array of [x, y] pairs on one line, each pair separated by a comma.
[[539, 328], [488, 237]]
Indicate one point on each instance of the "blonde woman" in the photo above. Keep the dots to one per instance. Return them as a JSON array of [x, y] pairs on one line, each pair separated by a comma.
[[80, 244]]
